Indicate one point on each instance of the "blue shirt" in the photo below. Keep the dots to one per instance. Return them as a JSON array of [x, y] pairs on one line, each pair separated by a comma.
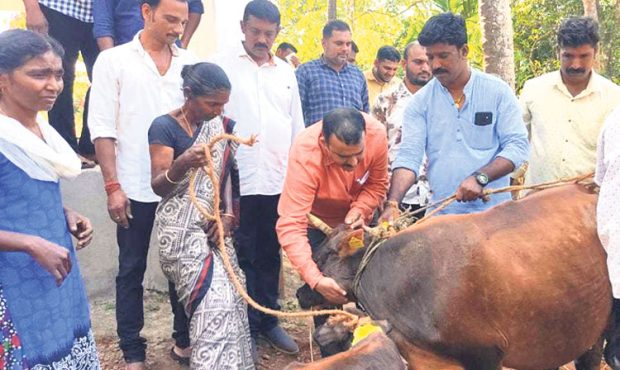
[[122, 19], [455, 145], [322, 89]]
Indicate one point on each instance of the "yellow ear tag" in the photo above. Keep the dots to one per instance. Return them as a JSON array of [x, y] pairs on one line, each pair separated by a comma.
[[356, 243], [363, 331]]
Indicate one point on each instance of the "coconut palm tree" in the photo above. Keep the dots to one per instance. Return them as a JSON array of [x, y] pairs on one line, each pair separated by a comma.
[[497, 39]]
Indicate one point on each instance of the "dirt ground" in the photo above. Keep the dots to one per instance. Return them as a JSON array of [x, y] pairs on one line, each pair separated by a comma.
[[158, 327]]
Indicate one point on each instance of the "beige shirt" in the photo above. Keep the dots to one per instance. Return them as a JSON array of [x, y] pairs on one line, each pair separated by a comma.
[[376, 87], [564, 129]]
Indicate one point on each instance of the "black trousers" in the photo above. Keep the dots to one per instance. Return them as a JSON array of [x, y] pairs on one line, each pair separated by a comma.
[[133, 245], [258, 252], [76, 37]]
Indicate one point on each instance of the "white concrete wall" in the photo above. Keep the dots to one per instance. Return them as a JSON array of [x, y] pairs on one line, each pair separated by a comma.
[[99, 261]]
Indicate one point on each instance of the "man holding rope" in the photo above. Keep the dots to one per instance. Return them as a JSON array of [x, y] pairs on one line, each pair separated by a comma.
[[338, 172], [467, 122]]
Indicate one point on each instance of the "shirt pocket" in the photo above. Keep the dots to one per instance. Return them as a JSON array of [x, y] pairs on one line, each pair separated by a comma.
[[479, 137]]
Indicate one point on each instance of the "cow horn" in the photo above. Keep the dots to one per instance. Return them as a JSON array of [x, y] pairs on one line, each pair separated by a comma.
[[319, 224]]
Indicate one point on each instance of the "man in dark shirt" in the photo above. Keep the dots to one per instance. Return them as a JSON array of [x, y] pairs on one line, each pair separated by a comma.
[[330, 81], [118, 21]]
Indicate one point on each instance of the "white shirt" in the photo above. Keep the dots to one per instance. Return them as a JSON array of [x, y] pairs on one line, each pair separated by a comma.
[[564, 128], [607, 176], [264, 101], [127, 94]]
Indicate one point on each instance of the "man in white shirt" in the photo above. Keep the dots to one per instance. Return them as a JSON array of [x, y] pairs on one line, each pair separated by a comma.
[[565, 109], [133, 84], [264, 100]]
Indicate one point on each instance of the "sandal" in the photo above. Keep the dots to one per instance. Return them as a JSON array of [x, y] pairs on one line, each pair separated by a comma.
[[179, 359]]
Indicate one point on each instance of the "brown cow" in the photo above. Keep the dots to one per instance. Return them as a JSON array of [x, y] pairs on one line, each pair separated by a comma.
[[375, 352], [523, 285]]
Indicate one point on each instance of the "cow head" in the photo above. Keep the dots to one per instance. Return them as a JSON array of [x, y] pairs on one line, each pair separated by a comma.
[[338, 257]]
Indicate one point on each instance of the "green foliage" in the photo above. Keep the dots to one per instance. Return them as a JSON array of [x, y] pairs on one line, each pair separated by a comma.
[[374, 24]]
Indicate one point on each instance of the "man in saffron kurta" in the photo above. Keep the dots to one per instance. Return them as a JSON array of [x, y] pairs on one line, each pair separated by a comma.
[[338, 172]]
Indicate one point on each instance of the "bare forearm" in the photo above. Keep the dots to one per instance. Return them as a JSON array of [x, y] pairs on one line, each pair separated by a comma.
[[402, 180], [164, 179], [16, 242], [192, 24], [105, 149], [499, 167]]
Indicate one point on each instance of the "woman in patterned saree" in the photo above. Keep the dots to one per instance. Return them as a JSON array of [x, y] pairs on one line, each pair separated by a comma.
[[44, 315], [189, 257]]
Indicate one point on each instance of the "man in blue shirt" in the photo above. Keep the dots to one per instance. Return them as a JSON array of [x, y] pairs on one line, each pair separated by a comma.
[[467, 122], [330, 81], [118, 21]]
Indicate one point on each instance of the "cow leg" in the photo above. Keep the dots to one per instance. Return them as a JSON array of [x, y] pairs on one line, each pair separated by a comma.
[[591, 360]]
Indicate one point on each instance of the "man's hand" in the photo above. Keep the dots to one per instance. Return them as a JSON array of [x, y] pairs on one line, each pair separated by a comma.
[[389, 213], [119, 208], [80, 227], [35, 20], [469, 190], [52, 257], [354, 219], [332, 292]]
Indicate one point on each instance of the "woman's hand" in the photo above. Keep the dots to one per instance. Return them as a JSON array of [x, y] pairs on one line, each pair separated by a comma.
[[193, 157], [228, 221], [80, 227], [52, 257]]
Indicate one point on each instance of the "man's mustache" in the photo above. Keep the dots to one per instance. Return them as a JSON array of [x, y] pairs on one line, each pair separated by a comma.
[[438, 71], [575, 71], [261, 45]]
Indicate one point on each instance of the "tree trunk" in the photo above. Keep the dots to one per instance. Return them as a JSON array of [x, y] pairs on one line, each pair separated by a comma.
[[497, 39], [331, 10], [590, 9]]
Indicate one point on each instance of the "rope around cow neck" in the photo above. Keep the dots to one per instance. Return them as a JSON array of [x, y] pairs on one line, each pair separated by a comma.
[[382, 232], [209, 170]]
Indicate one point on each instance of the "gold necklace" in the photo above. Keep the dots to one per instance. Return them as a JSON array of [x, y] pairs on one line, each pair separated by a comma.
[[187, 127], [459, 101]]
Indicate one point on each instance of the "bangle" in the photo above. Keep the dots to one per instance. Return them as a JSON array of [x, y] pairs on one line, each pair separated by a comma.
[[168, 178], [390, 203], [111, 187]]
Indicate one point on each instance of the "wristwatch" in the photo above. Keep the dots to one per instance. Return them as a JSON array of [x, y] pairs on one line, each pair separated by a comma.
[[481, 178]]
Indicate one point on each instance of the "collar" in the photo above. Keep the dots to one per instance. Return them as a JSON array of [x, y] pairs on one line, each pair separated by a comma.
[[467, 89], [136, 44], [322, 62], [593, 86], [242, 53]]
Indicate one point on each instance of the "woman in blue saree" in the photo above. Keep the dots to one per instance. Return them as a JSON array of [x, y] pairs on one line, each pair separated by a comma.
[[44, 315]]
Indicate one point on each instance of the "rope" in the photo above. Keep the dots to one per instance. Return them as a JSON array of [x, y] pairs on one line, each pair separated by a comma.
[[380, 231], [220, 228]]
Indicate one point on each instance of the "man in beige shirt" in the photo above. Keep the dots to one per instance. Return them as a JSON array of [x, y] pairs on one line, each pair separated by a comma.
[[382, 76], [565, 110]]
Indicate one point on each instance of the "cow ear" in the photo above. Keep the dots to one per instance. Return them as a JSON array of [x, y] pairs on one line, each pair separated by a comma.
[[351, 243]]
